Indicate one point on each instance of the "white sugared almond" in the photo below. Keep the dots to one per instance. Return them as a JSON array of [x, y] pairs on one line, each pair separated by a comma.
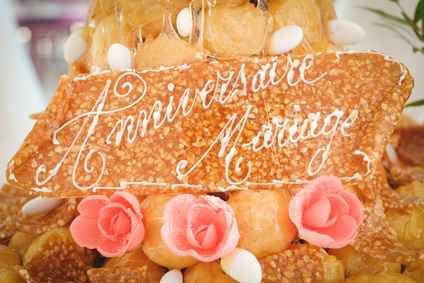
[[184, 23], [119, 57], [392, 153], [345, 32], [75, 47], [40, 205], [172, 276], [242, 266], [284, 40]]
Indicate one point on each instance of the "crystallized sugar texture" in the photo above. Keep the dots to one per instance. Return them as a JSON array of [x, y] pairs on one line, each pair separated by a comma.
[[257, 123]]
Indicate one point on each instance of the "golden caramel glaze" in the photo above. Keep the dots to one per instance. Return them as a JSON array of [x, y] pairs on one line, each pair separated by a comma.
[[252, 123], [221, 29], [207, 272], [11, 202], [55, 257], [122, 274], [12, 218], [407, 142], [300, 261], [378, 240]]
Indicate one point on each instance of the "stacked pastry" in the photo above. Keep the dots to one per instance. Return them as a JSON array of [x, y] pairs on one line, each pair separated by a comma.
[[217, 141]]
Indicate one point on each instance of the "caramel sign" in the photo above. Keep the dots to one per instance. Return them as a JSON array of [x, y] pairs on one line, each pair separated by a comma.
[[255, 123]]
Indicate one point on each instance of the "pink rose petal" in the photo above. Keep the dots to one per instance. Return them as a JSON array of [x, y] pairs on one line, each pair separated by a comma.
[[113, 227], [231, 236], [215, 202], [86, 233], [135, 220], [206, 237], [114, 220], [355, 206], [296, 207], [341, 244], [136, 236], [91, 206], [127, 199], [320, 187], [199, 218], [318, 214], [223, 221], [329, 184], [325, 214], [201, 214], [111, 209], [119, 224], [338, 204], [173, 232], [342, 229], [113, 248], [315, 238], [204, 228]]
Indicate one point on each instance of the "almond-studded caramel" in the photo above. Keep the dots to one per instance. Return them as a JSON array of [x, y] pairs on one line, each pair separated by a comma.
[[377, 239], [254, 123], [12, 219], [301, 263], [55, 257], [11, 202]]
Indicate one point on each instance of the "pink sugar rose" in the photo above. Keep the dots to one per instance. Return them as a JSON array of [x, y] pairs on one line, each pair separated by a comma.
[[205, 228], [113, 226], [325, 214]]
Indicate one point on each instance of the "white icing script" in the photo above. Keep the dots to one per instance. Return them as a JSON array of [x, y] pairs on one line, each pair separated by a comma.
[[223, 89]]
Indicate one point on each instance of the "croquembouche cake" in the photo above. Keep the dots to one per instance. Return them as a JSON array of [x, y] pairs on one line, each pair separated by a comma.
[[218, 141]]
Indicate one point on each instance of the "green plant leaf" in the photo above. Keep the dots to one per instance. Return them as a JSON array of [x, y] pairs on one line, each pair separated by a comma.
[[415, 24], [415, 103], [415, 49], [387, 16], [411, 23], [419, 12], [422, 27]]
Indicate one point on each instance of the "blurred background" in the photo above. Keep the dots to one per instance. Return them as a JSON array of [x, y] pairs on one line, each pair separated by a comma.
[[43, 27], [33, 34], [32, 38]]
